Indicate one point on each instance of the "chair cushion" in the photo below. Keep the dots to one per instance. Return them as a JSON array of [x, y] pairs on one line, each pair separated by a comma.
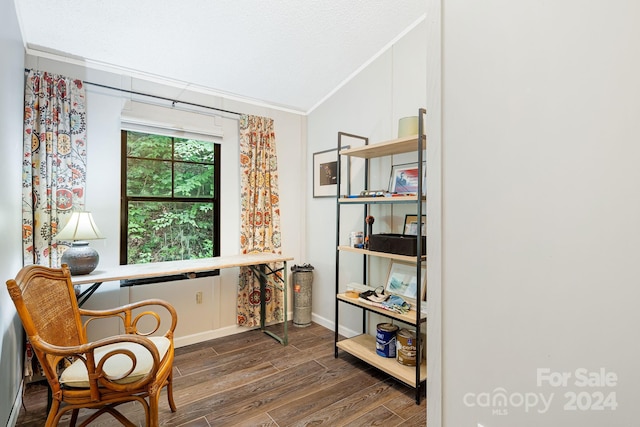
[[75, 375]]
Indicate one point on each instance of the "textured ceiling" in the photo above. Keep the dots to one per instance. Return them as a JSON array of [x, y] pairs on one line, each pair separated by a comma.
[[286, 53]]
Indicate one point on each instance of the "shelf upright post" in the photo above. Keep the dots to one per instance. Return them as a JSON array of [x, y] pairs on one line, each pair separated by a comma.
[[419, 249], [365, 259], [365, 213], [337, 278]]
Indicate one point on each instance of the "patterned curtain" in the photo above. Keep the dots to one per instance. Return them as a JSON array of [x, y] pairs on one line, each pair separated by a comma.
[[55, 160], [260, 216]]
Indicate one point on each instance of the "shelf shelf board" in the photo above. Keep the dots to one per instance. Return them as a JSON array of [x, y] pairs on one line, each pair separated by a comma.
[[364, 347], [373, 200], [395, 146], [405, 258], [409, 318]]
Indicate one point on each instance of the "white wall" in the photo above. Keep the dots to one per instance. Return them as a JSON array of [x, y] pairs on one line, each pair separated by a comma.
[[11, 109], [540, 105], [391, 87], [217, 315]]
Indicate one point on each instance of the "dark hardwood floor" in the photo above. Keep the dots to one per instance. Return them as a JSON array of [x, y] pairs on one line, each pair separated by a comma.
[[249, 379]]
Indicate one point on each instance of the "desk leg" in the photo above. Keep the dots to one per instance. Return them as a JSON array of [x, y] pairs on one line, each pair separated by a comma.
[[286, 309], [262, 274], [86, 294], [263, 302]]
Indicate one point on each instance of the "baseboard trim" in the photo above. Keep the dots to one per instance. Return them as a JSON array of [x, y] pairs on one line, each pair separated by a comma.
[[15, 410], [330, 324], [235, 329], [215, 333], [209, 335]]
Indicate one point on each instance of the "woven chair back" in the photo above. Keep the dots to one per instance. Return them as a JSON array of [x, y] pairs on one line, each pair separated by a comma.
[[46, 303]]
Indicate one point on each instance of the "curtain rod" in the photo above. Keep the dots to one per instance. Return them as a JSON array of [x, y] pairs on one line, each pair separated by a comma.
[[173, 101]]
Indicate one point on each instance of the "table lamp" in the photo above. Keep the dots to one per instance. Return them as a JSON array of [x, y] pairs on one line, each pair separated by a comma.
[[80, 257]]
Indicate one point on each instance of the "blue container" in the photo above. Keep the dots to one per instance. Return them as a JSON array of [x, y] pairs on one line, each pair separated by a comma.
[[386, 339]]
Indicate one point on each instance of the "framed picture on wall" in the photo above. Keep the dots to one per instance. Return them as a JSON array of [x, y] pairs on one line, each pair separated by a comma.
[[325, 174]]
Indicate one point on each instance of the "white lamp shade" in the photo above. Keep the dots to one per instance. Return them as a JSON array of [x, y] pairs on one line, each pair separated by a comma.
[[80, 227], [408, 126]]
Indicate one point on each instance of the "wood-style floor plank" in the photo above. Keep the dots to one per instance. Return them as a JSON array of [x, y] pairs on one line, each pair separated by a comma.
[[249, 379], [314, 396], [379, 416], [343, 411]]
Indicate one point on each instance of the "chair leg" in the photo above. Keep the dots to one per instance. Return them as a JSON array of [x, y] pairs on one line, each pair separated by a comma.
[[172, 404], [153, 409], [53, 412], [145, 406], [74, 417]]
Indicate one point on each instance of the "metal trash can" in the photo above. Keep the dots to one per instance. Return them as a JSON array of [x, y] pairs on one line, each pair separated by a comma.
[[302, 280]]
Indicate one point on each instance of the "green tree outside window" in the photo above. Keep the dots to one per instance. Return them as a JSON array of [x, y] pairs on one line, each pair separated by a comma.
[[170, 198]]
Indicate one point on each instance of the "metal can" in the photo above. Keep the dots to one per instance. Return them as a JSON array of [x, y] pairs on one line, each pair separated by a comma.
[[406, 347], [386, 339]]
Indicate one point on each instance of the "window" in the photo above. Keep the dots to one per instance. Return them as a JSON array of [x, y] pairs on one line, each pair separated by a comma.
[[170, 198]]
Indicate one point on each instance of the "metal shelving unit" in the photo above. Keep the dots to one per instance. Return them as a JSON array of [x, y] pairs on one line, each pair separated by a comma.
[[363, 346]]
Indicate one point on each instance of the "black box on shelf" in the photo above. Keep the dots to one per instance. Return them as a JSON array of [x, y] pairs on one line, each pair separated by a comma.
[[399, 244]]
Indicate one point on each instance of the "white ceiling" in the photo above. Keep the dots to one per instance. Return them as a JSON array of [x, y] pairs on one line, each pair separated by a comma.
[[289, 54]]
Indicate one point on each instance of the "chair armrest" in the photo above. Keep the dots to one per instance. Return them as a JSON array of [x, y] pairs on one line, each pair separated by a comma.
[[125, 313], [95, 363], [82, 349]]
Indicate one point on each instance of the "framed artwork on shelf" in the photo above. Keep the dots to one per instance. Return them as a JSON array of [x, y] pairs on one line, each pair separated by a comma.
[[325, 174], [404, 179], [402, 280], [411, 225]]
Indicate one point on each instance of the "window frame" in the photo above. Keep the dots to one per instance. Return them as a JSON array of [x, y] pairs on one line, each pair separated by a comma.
[[125, 199]]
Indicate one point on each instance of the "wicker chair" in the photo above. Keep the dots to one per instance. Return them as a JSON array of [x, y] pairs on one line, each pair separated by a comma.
[[101, 374]]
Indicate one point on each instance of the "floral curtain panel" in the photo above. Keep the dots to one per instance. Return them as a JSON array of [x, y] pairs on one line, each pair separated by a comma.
[[260, 216], [55, 159]]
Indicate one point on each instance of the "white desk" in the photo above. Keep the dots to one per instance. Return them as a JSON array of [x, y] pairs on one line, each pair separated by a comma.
[[258, 263]]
